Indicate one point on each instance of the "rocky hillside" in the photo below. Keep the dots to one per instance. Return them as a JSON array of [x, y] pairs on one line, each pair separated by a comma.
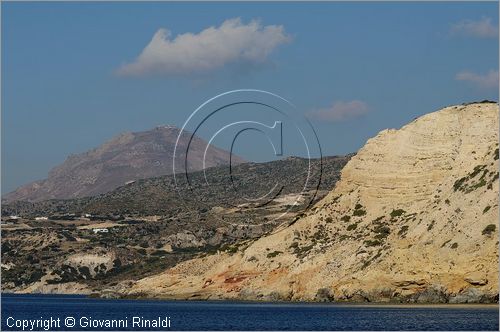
[[414, 218], [127, 157], [165, 197], [150, 225]]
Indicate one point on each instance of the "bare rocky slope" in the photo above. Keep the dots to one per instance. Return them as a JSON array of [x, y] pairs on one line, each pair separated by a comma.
[[126, 157], [166, 197], [150, 226], [414, 218]]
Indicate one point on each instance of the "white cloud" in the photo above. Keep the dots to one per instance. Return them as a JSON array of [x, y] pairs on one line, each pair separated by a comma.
[[488, 80], [340, 111], [212, 48], [482, 28]]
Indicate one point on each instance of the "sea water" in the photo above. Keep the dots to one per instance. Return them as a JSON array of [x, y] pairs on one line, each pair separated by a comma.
[[67, 312]]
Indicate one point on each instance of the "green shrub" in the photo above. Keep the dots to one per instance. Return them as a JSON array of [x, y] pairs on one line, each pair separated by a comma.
[[358, 210], [476, 171], [431, 225], [329, 220], [352, 227], [344, 237], [493, 180], [232, 249], [372, 243], [302, 251], [318, 235], [359, 213], [382, 229], [486, 209], [274, 254], [229, 248], [397, 213], [489, 229], [403, 230], [458, 184], [345, 218], [454, 246], [480, 184], [370, 260]]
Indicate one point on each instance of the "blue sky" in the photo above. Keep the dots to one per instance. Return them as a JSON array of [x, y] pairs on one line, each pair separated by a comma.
[[353, 68]]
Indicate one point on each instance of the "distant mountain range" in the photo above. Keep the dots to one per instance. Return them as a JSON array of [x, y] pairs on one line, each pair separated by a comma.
[[165, 197], [127, 157]]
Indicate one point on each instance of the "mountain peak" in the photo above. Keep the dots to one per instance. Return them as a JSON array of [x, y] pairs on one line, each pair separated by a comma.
[[126, 157]]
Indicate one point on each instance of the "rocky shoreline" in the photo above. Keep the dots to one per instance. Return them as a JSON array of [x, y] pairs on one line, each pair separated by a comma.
[[432, 296]]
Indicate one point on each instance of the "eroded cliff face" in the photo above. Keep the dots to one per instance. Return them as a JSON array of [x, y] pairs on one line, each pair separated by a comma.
[[413, 219]]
